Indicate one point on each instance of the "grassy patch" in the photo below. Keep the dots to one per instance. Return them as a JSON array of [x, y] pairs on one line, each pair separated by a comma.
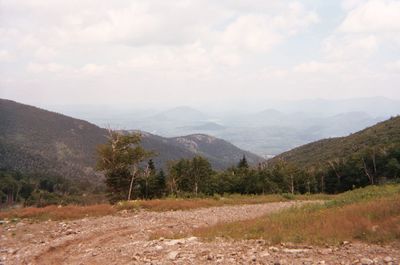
[[371, 214], [174, 204], [54, 212]]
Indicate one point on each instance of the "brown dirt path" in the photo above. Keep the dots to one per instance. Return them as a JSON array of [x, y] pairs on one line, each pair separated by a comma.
[[126, 238]]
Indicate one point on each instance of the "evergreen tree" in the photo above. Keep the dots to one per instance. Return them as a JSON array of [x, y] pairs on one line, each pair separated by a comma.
[[160, 183], [243, 163]]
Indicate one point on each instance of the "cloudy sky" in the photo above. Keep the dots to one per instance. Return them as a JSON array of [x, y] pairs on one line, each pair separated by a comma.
[[184, 51]]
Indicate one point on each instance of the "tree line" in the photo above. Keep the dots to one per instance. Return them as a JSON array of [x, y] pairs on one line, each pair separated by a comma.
[[131, 174], [38, 189]]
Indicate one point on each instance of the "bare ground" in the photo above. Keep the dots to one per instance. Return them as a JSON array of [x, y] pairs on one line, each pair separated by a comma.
[[133, 238]]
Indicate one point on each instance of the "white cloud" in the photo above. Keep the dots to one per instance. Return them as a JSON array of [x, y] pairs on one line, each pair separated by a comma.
[[379, 16], [37, 68], [350, 47], [93, 69], [45, 53], [169, 48], [317, 67], [394, 66], [250, 33], [350, 4], [6, 56]]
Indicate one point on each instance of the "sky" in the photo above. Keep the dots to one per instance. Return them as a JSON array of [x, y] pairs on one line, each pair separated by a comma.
[[188, 51]]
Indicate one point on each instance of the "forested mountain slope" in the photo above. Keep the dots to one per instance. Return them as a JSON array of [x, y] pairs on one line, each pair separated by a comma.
[[33, 140], [382, 135]]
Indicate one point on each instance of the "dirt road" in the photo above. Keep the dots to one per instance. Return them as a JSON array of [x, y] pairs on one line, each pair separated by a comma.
[[133, 238]]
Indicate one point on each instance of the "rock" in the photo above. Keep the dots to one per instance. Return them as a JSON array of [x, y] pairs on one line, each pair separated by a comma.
[[387, 259], [322, 262], [70, 232], [375, 228], [281, 262], [19, 224], [175, 242], [344, 243], [366, 261], [12, 251], [325, 251], [294, 250], [274, 249], [308, 262], [192, 239], [158, 248], [172, 255], [264, 254]]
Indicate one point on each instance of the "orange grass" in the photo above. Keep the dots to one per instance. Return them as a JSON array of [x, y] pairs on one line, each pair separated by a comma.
[[54, 212], [372, 221], [168, 204], [172, 204]]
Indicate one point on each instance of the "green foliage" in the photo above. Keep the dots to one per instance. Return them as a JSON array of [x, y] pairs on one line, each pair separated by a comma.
[[37, 190], [119, 158], [243, 163], [193, 176]]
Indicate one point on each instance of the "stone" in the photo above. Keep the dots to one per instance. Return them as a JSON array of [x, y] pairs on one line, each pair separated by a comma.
[[159, 248], [274, 249], [308, 262], [192, 239], [366, 261], [175, 242], [294, 250], [173, 255], [325, 251], [264, 254], [387, 259]]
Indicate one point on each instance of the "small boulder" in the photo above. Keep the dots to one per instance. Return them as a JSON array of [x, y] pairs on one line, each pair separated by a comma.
[[174, 242], [173, 255], [387, 259], [366, 261], [274, 249]]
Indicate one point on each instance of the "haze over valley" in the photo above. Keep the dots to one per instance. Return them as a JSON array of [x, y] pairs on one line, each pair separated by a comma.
[[267, 128]]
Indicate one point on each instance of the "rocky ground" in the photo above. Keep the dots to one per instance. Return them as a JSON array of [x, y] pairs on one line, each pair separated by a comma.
[[134, 238]]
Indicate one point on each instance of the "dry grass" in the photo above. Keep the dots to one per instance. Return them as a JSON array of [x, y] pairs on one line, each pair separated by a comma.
[[173, 204], [371, 220], [54, 212], [169, 204]]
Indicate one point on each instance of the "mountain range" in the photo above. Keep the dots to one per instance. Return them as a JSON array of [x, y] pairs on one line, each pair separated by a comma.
[[277, 127], [35, 140]]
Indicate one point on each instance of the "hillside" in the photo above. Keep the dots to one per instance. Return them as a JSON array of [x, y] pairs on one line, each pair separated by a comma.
[[219, 152], [382, 134], [34, 140], [38, 141]]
